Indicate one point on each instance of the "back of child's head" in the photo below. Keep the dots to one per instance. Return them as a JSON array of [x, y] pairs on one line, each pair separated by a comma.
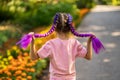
[[62, 23]]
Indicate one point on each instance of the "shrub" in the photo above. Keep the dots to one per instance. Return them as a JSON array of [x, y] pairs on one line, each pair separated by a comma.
[[42, 14], [85, 3], [19, 68], [110, 2], [8, 34], [5, 14], [30, 14]]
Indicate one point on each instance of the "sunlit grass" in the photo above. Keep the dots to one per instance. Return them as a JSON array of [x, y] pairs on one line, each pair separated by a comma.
[[110, 45], [117, 33], [98, 27], [9, 27], [106, 60], [102, 8]]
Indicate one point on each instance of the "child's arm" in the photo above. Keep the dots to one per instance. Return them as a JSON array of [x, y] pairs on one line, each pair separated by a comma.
[[33, 53], [89, 49]]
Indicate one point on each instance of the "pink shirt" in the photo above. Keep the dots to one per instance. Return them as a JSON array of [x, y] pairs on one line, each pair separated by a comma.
[[62, 55]]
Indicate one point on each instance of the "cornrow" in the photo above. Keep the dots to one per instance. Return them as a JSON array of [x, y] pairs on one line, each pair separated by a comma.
[[62, 25], [66, 26]]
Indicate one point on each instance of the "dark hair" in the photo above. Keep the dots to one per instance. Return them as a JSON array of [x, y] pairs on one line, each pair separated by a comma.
[[62, 23]]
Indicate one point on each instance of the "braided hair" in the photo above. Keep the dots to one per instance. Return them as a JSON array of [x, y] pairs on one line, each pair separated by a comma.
[[62, 23]]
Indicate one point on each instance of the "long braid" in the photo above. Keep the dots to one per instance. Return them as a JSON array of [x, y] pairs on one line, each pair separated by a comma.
[[51, 30], [96, 43], [26, 39], [73, 30]]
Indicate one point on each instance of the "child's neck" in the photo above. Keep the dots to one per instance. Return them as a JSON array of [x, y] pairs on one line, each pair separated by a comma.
[[63, 36]]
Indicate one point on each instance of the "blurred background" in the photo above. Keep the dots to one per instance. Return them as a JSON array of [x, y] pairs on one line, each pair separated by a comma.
[[18, 17]]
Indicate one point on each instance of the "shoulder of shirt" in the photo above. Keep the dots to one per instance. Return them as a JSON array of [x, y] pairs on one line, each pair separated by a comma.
[[76, 41], [51, 40]]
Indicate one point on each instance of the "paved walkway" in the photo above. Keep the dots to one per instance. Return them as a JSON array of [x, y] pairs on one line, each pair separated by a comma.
[[104, 21]]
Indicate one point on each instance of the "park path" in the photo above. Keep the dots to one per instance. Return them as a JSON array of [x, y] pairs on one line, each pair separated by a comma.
[[104, 21]]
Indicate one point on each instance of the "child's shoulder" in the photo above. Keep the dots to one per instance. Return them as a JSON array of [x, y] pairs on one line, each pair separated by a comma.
[[51, 40], [57, 40]]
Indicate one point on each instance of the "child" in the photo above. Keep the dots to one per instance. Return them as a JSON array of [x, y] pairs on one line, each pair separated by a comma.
[[63, 50]]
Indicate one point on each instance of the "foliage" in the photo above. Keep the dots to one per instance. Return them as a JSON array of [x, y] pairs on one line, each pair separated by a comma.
[[85, 3], [16, 64], [20, 68], [110, 2], [7, 35], [19, 65], [31, 13], [5, 14]]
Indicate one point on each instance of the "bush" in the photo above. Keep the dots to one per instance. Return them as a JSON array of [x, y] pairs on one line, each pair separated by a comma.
[[110, 2], [20, 68], [5, 14], [85, 3], [7, 35], [42, 14], [34, 14]]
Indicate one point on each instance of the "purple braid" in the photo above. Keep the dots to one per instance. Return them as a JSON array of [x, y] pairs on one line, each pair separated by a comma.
[[26, 39], [96, 43], [73, 30], [51, 30]]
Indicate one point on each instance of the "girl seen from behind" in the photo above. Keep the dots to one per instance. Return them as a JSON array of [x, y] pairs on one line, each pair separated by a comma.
[[62, 50]]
